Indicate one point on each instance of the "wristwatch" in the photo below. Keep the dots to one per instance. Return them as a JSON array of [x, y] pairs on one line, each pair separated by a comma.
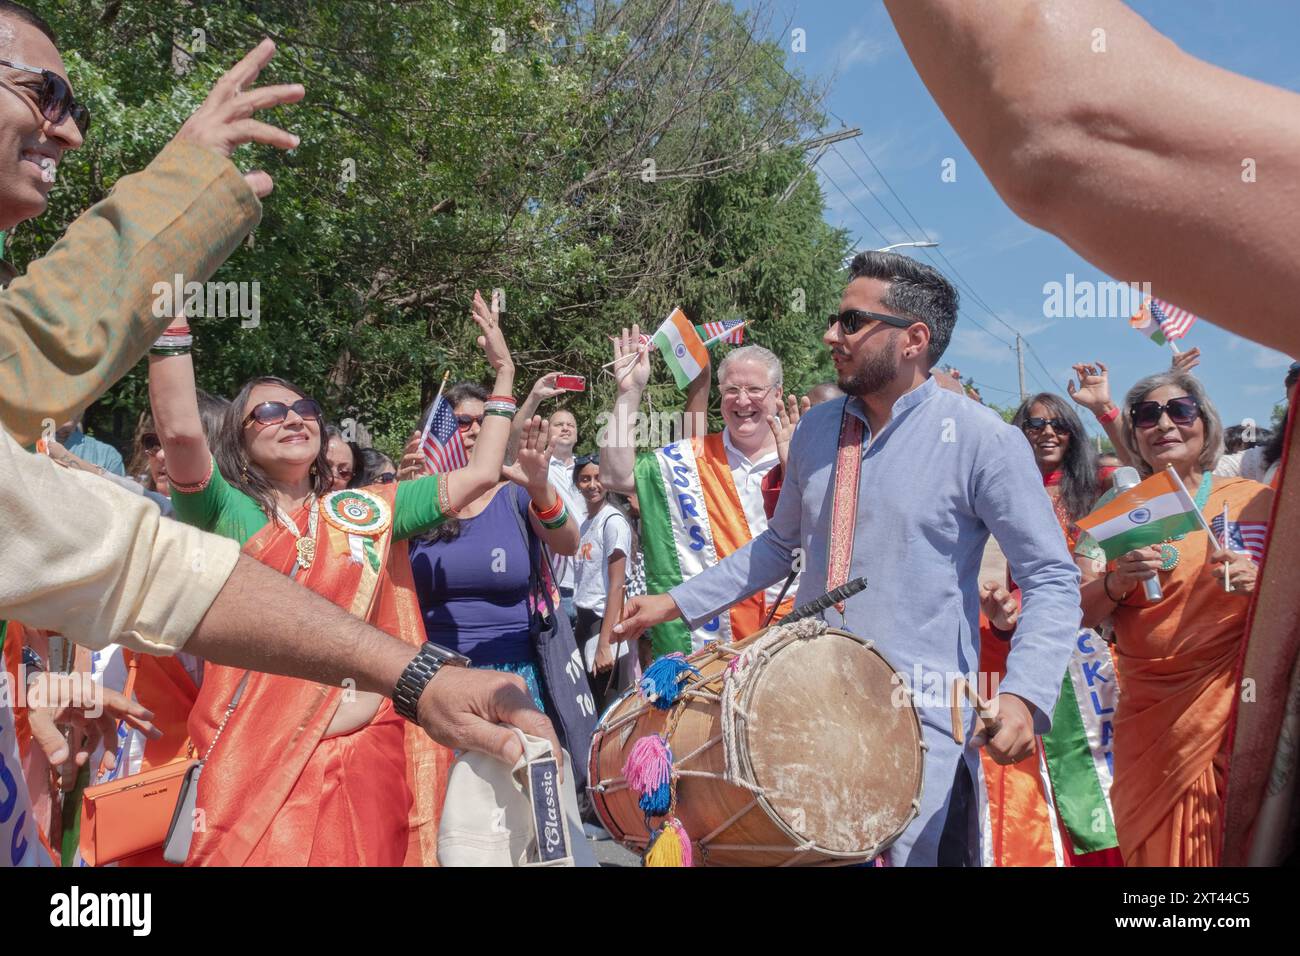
[[418, 673]]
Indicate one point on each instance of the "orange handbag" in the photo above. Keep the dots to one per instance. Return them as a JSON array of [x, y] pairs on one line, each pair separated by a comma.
[[123, 817]]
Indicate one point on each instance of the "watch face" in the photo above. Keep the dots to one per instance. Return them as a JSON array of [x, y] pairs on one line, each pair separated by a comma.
[[447, 656]]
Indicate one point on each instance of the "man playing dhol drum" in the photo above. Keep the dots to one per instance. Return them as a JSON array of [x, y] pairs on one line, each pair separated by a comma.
[[937, 474]]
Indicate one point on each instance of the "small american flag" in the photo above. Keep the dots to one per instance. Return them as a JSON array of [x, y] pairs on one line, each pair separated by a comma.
[[444, 448], [710, 330], [1174, 322], [1243, 536]]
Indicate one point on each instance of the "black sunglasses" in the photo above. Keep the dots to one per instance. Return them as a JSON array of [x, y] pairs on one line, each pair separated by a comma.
[[150, 443], [1059, 425], [387, 478], [1182, 411], [273, 413], [582, 461], [55, 97], [851, 320]]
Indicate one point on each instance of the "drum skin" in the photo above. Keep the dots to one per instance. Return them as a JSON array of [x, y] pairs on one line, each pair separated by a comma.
[[823, 730]]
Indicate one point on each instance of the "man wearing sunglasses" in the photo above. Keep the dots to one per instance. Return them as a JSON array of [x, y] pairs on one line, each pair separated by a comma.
[[75, 323], [938, 474]]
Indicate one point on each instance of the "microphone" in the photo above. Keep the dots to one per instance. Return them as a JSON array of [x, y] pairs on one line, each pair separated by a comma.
[[1124, 479]]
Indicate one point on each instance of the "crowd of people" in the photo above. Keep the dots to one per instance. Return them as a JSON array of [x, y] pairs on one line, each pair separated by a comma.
[[322, 627]]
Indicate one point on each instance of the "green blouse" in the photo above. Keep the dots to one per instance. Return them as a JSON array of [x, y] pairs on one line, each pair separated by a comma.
[[223, 509]]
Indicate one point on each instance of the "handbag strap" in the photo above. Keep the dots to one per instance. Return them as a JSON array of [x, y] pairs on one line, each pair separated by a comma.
[[230, 709], [844, 506], [536, 554]]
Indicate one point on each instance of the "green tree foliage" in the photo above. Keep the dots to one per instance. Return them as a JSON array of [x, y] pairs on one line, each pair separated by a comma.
[[599, 162]]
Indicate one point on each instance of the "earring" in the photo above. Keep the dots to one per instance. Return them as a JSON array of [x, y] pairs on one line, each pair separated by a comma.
[[243, 473], [313, 471]]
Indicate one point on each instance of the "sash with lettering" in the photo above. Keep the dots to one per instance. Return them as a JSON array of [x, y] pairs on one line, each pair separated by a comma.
[[691, 518], [275, 791], [1053, 808], [21, 843]]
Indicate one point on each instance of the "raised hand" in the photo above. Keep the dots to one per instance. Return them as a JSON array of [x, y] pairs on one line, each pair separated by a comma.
[[1186, 361], [544, 387], [224, 122], [531, 468], [492, 341], [784, 421], [412, 464], [631, 373], [1093, 390]]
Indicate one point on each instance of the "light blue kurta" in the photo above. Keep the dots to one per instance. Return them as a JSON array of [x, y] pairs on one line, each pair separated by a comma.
[[943, 474]]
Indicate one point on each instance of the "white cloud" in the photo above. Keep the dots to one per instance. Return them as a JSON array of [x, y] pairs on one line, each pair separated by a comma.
[[970, 343], [861, 46], [1266, 358]]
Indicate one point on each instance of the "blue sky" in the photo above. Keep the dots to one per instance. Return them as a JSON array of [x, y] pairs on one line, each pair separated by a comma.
[[853, 48]]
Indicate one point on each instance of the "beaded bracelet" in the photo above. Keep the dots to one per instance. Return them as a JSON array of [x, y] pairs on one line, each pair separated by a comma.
[[195, 488], [549, 513]]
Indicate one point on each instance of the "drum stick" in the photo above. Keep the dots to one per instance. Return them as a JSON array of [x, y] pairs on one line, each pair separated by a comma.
[[982, 707], [785, 588], [841, 593]]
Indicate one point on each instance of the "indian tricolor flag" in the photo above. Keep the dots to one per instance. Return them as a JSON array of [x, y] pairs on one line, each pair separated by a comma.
[[1146, 514], [1148, 324], [681, 347]]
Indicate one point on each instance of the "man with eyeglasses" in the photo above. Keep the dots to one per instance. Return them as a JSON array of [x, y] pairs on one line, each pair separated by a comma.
[[77, 321], [701, 498], [937, 474]]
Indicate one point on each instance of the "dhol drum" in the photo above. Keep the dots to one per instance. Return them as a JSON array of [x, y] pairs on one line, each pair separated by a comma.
[[797, 746]]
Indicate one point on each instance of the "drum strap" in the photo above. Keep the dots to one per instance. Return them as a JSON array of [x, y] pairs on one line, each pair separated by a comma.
[[844, 505]]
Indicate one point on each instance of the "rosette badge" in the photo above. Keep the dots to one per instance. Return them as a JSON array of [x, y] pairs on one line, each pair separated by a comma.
[[357, 512]]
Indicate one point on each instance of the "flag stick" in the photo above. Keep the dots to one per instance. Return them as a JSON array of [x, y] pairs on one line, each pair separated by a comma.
[[636, 354], [1172, 345], [428, 422], [1226, 587], [1205, 525]]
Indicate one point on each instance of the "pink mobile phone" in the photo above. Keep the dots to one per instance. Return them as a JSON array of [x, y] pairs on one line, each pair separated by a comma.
[[571, 383]]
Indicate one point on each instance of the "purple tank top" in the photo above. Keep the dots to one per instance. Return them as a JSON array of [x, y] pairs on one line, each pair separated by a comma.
[[473, 590]]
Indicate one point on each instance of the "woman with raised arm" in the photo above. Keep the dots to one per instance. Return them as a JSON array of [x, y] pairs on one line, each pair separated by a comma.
[[1176, 655], [298, 773]]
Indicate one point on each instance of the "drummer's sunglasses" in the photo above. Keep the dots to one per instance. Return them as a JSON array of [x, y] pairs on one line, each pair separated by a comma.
[[273, 413], [1182, 411], [851, 320], [54, 99]]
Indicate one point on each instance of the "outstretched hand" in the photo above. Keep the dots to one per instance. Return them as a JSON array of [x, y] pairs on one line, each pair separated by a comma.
[[532, 465], [492, 341], [1186, 361], [88, 714], [631, 373], [224, 122], [784, 421], [1093, 390]]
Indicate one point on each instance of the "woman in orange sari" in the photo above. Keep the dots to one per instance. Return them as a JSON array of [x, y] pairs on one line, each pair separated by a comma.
[[1176, 657], [298, 773]]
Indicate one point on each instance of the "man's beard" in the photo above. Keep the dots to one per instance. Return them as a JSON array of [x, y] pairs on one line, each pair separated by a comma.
[[877, 371]]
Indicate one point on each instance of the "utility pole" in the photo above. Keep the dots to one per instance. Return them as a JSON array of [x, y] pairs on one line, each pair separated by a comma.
[[1020, 364], [821, 144]]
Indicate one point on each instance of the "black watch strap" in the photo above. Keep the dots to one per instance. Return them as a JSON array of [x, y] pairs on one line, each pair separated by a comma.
[[415, 678]]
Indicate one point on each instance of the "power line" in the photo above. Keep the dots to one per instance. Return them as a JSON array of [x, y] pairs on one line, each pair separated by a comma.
[[854, 205]]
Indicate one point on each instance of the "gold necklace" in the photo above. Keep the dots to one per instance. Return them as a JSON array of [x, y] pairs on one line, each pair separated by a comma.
[[304, 544]]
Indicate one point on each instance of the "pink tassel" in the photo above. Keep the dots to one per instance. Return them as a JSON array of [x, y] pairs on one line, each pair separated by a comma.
[[649, 772]]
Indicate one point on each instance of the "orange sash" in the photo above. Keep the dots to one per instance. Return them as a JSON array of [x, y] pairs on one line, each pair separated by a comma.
[[730, 529], [274, 791]]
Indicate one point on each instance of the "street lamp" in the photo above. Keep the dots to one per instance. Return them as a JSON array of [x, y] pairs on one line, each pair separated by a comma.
[[900, 245]]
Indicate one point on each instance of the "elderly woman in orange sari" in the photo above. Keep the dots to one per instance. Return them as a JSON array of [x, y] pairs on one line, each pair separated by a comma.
[[296, 773], [1176, 657]]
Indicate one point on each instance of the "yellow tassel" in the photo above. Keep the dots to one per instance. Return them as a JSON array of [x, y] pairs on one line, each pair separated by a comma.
[[666, 850]]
